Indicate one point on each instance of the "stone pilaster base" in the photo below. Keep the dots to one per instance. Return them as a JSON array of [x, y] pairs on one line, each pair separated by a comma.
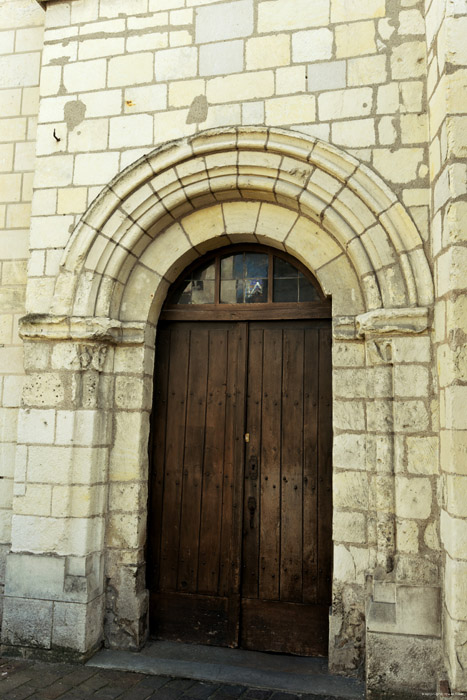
[[53, 604]]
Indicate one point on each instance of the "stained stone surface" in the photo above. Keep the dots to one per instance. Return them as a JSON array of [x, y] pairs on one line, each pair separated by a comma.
[[33, 680]]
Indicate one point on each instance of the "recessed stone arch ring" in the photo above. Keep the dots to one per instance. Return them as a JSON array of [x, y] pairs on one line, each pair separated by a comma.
[[269, 185]]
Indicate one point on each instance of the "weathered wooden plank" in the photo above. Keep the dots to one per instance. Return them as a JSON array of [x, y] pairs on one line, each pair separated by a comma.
[[193, 460], [292, 470], [157, 457], [248, 312], [232, 492], [175, 438], [269, 573], [288, 628], [325, 467], [211, 504], [251, 499], [310, 466], [198, 619], [233, 460]]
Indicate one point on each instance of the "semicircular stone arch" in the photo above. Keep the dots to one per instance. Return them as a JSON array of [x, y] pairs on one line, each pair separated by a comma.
[[233, 185]]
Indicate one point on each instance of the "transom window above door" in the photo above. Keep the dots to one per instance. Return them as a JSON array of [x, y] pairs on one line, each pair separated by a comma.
[[246, 282]]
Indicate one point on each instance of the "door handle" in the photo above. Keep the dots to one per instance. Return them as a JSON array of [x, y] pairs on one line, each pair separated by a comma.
[[252, 510]]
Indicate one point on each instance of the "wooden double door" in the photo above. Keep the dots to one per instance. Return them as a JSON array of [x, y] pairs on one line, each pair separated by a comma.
[[240, 499]]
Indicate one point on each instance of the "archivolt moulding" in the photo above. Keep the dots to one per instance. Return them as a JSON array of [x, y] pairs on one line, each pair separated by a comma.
[[337, 194]]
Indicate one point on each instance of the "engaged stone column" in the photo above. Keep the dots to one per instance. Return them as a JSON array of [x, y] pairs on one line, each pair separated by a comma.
[[403, 612], [54, 589]]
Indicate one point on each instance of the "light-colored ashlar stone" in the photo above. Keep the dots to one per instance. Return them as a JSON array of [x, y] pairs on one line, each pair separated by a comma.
[[131, 130], [27, 622], [266, 52], [411, 380], [95, 169], [456, 588], [253, 112], [408, 60], [130, 69], [291, 79], [340, 104], [455, 402], [350, 490], [312, 45], [349, 527], [275, 15], [413, 497], [407, 536], [366, 71], [422, 455], [453, 533], [203, 225], [36, 426], [226, 20], [330, 75], [25, 72], [350, 563], [456, 491], [349, 451], [351, 10], [401, 165], [290, 110], [43, 389], [221, 58], [355, 39], [356, 133], [145, 99], [245, 86], [176, 63], [349, 415], [78, 77]]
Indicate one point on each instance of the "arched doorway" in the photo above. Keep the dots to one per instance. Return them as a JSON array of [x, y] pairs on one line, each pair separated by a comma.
[[241, 505]]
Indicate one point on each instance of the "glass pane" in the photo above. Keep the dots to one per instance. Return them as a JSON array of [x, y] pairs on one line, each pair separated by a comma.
[[203, 292], [256, 291], [284, 269], [286, 289], [207, 272], [182, 295], [232, 267], [256, 264], [231, 291], [307, 292]]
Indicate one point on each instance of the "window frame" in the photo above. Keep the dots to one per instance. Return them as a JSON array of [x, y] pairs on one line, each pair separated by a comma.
[[270, 309]]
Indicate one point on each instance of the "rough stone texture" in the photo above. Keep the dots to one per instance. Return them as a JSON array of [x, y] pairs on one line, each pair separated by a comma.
[[32, 680], [387, 666]]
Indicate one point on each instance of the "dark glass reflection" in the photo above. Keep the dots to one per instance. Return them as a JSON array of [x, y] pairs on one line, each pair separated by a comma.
[[282, 268], [198, 289], [306, 291], [256, 265], [256, 291], [286, 289], [244, 280]]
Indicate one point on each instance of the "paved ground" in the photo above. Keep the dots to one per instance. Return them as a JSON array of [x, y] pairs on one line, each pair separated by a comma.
[[32, 680]]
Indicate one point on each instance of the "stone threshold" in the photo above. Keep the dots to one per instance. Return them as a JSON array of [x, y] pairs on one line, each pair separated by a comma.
[[293, 674]]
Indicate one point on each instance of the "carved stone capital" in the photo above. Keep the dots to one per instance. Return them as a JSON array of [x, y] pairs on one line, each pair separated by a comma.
[[92, 357]]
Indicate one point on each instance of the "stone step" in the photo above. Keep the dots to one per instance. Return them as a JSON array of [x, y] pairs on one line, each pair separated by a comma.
[[291, 674]]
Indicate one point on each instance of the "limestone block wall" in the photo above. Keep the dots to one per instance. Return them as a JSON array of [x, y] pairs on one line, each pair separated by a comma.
[[121, 77], [447, 80], [21, 38]]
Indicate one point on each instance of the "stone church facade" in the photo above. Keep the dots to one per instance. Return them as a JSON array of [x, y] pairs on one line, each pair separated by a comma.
[[135, 137]]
